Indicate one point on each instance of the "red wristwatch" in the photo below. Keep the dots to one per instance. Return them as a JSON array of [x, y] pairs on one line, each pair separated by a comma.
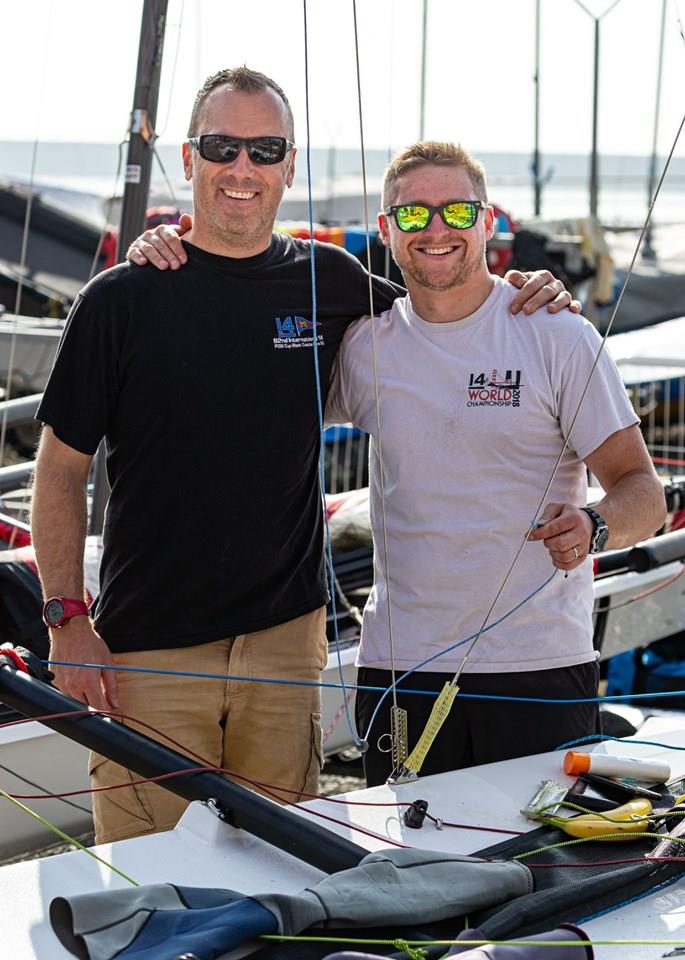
[[57, 610]]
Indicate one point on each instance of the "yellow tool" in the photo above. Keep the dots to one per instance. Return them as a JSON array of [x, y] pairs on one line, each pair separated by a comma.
[[621, 823]]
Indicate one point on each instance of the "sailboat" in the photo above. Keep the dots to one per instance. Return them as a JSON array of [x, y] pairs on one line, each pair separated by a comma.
[[229, 838]]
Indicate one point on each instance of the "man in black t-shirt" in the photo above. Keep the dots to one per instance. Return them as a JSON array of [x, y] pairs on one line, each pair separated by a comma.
[[202, 382]]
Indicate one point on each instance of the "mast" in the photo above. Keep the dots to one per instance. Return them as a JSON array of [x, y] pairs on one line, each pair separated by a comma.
[[137, 181], [143, 118], [594, 159], [594, 156], [422, 107], [537, 176], [648, 252]]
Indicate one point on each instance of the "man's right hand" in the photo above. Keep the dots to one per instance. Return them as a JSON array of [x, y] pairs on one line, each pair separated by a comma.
[[78, 642], [162, 246]]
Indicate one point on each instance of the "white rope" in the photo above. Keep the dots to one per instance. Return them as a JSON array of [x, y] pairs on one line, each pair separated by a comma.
[[379, 444]]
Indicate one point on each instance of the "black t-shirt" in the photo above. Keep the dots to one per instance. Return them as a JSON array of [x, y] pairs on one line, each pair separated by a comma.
[[202, 381]]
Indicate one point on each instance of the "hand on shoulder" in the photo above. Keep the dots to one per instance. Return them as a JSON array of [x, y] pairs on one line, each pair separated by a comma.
[[162, 246], [539, 288]]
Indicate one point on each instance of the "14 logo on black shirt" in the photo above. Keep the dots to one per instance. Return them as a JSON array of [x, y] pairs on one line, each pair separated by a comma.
[[296, 332]]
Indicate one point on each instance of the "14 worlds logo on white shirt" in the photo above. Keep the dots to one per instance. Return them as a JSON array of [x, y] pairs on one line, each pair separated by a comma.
[[495, 390]]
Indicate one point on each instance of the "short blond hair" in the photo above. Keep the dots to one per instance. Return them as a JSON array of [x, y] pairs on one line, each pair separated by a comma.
[[435, 153]]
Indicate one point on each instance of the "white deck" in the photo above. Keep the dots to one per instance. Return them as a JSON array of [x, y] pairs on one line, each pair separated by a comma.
[[203, 851]]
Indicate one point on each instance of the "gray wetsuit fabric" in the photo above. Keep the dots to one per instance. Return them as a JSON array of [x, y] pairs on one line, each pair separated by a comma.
[[397, 886]]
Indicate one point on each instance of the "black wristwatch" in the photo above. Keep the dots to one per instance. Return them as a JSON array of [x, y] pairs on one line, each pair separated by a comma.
[[600, 534]]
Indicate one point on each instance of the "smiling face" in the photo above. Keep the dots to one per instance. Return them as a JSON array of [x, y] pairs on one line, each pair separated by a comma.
[[235, 204], [438, 258]]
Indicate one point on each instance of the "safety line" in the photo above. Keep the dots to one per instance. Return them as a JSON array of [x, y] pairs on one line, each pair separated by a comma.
[[65, 836], [317, 380]]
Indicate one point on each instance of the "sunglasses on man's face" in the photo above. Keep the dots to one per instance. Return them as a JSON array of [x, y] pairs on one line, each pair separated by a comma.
[[218, 148], [458, 214]]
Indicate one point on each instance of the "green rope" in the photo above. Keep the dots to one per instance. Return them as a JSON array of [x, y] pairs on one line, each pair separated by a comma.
[[414, 953], [475, 943], [602, 836], [654, 815], [65, 836]]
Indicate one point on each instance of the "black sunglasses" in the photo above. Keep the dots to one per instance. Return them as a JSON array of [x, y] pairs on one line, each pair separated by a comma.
[[458, 214], [220, 148]]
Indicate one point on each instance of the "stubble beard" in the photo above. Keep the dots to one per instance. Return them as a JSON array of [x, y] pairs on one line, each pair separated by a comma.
[[461, 272], [243, 234], [459, 275], [236, 233]]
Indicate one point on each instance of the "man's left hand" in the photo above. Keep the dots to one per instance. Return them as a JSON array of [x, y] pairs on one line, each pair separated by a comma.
[[539, 288], [566, 531]]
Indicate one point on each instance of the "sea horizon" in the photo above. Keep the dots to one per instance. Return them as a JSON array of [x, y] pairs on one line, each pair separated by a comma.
[[91, 169]]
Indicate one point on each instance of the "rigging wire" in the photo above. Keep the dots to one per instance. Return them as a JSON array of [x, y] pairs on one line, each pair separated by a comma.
[[398, 734], [158, 158], [108, 210], [25, 238], [317, 381], [179, 30], [38, 786]]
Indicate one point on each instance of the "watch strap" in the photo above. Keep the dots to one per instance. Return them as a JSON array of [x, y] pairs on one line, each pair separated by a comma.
[[70, 608], [600, 532]]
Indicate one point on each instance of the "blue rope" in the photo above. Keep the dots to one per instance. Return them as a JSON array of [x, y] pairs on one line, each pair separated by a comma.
[[600, 737], [317, 377], [372, 689], [428, 660]]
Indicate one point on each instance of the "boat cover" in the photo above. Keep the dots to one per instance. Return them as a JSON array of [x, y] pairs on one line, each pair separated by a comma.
[[391, 887]]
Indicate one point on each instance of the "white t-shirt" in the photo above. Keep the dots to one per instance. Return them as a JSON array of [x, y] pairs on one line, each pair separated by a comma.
[[473, 415]]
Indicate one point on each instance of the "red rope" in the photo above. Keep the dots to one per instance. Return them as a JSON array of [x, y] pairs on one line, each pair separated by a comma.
[[672, 462], [12, 655]]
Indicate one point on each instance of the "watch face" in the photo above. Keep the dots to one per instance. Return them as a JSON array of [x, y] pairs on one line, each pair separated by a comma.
[[54, 612], [601, 537]]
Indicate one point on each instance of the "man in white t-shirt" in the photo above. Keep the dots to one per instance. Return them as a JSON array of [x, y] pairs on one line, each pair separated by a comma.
[[474, 409]]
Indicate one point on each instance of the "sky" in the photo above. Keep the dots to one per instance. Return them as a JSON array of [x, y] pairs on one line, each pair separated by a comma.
[[68, 66]]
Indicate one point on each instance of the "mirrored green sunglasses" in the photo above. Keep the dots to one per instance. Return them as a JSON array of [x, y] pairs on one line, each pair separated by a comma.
[[458, 214]]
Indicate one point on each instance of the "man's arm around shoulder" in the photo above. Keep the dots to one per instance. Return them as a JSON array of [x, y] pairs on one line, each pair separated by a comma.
[[633, 505], [58, 527]]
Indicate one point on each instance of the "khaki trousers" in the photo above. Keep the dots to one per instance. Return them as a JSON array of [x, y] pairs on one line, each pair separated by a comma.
[[266, 732]]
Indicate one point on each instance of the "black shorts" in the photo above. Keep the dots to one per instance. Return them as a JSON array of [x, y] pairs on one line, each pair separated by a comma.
[[480, 731]]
